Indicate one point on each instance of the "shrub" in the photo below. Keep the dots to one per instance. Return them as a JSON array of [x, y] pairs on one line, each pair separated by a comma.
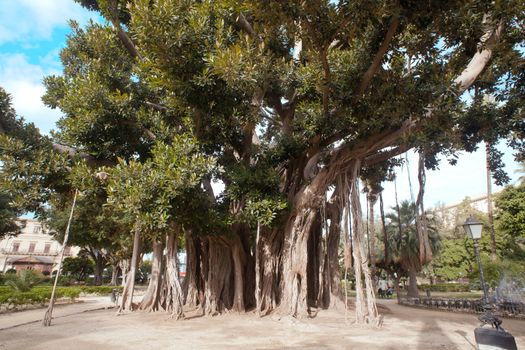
[[38, 295], [24, 281], [498, 270]]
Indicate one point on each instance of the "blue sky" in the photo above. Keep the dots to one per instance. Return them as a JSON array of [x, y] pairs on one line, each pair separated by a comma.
[[32, 33]]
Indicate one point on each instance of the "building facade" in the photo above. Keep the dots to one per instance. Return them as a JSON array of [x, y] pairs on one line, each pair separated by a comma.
[[34, 249]]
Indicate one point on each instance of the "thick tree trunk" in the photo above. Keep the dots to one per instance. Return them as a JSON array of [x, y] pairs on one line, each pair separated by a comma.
[[268, 253], [238, 273], [412, 283], [100, 263], [218, 293], [332, 295], [366, 309], [124, 268], [114, 274], [294, 263], [126, 302], [151, 300], [193, 282], [294, 254], [173, 295], [315, 259]]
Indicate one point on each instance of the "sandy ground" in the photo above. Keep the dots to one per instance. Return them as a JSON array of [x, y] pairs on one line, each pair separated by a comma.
[[403, 328]]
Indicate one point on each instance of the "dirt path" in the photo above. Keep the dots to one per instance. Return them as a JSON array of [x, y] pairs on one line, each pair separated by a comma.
[[403, 328]]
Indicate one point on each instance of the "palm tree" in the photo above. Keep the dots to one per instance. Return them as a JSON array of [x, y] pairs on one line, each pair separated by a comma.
[[404, 244]]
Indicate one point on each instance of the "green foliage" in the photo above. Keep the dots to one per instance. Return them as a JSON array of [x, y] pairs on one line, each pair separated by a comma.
[[31, 171], [453, 261], [8, 215], [24, 280], [456, 258], [78, 267], [144, 192], [38, 295], [510, 215], [404, 245], [498, 270]]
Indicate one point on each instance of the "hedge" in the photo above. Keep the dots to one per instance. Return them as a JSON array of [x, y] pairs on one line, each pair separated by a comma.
[[445, 287], [41, 294], [37, 295]]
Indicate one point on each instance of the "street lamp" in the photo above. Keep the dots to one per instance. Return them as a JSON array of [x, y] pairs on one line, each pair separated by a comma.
[[473, 229], [495, 337]]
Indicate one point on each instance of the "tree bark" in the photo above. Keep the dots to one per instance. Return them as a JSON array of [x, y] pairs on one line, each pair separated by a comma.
[[366, 309], [332, 294], [151, 300], [490, 208], [425, 251], [173, 295], [238, 263], [124, 268], [218, 293], [49, 312], [100, 263], [193, 282], [114, 274], [126, 302], [269, 254], [412, 283]]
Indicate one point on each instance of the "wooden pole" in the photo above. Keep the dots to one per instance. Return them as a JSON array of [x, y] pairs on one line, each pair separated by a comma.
[[49, 313]]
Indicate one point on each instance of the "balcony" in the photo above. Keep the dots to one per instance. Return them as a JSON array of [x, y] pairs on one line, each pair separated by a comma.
[[27, 252]]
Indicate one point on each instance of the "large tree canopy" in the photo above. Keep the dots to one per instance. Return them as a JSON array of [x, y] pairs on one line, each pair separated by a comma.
[[291, 98]]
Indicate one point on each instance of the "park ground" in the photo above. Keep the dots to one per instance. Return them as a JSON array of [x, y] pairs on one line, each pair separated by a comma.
[[91, 325]]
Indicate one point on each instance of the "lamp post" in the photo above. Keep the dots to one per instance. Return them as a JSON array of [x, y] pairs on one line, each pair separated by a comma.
[[473, 228], [495, 337]]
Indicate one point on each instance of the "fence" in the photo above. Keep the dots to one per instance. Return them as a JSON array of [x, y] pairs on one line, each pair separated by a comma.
[[503, 308]]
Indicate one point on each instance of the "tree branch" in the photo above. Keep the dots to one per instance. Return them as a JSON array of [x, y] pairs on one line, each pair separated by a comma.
[[376, 61], [123, 36], [247, 27], [89, 159]]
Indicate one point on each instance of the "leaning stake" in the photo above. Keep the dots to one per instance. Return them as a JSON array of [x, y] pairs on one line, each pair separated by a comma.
[[49, 313]]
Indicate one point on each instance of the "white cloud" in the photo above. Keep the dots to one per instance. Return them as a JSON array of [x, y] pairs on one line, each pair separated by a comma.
[[27, 20], [23, 81]]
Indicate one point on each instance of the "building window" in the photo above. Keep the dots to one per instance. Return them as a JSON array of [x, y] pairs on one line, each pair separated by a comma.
[[47, 247], [36, 229], [32, 247], [16, 246]]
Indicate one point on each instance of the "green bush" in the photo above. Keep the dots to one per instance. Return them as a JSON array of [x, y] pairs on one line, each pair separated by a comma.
[[445, 287], [42, 293], [24, 280], [496, 271], [38, 295]]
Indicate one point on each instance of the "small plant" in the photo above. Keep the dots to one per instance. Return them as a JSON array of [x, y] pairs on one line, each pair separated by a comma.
[[24, 281]]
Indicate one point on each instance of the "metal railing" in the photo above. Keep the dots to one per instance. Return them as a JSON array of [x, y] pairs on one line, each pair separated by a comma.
[[502, 307]]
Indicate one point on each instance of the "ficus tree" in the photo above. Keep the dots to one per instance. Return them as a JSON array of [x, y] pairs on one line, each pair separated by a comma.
[[144, 193], [288, 97]]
